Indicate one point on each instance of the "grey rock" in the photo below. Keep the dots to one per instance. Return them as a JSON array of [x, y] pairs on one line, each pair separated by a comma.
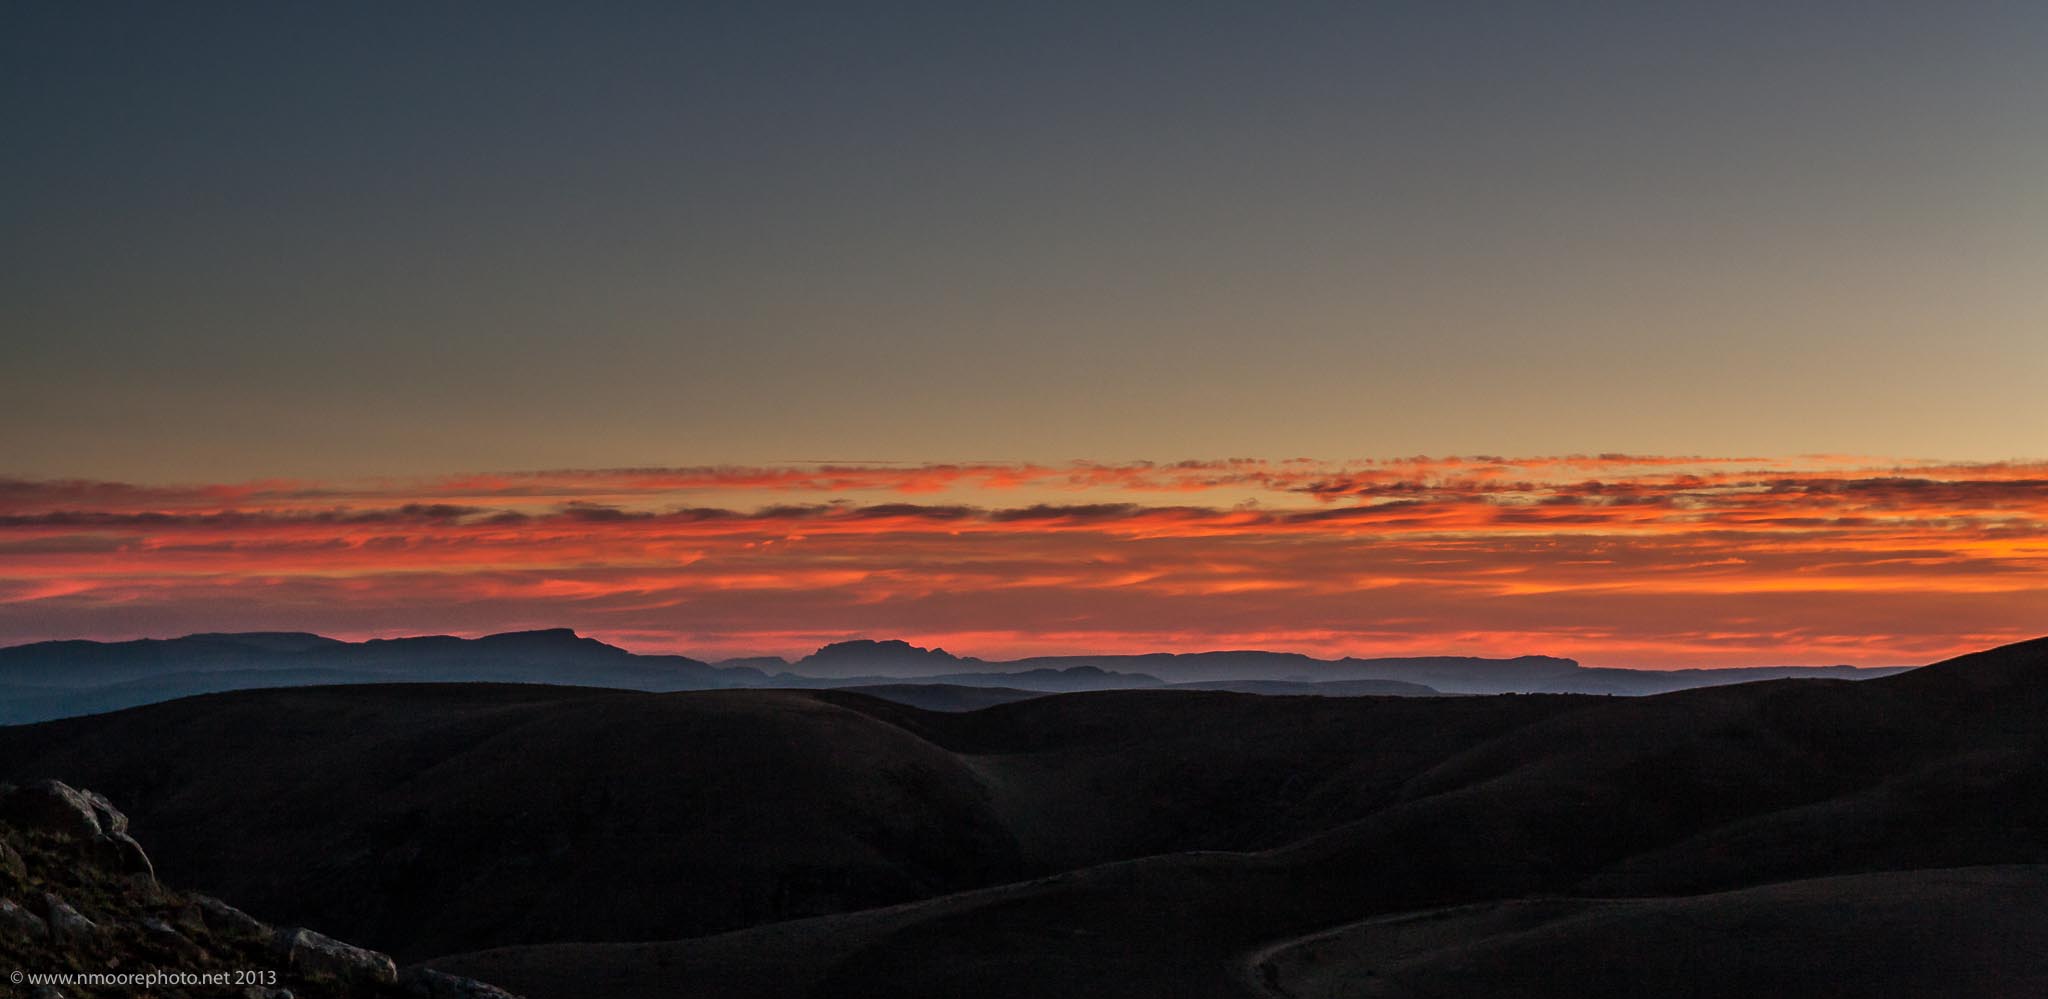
[[50, 806], [55, 807], [310, 953], [144, 882], [191, 919], [11, 862], [66, 924], [221, 917], [430, 984], [128, 856], [17, 921], [112, 822], [167, 936], [47, 992]]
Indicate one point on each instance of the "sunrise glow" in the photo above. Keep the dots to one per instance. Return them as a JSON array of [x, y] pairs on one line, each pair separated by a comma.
[[1616, 560]]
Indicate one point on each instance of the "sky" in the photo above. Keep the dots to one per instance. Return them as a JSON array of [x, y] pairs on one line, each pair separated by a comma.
[[725, 328]]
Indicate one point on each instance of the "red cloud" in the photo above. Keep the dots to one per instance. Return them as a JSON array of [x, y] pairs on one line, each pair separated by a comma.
[[1623, 559]]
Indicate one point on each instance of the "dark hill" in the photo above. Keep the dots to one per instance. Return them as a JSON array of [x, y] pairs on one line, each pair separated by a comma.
[[80, 664], [1058, 681], [480, 812], [2020, 668], [1712, 790], [60, 679], [1116, 843], [945, 697], [78, 897], [1443, 674], [491, 814], [1327, 688], [1941, 932]]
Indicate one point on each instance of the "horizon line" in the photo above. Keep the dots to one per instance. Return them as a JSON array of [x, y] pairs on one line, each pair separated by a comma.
[[479, 635]]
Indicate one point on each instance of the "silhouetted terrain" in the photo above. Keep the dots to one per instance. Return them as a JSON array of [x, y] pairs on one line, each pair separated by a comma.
[[476, 815], [1155, 842], [62, 679], [1714, 791], [945, 697], [54, 679], [78, 895], [1955, 931]]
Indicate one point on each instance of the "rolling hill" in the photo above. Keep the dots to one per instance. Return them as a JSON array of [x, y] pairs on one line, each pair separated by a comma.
[[481, 814], [1727, 791], [575, 842]]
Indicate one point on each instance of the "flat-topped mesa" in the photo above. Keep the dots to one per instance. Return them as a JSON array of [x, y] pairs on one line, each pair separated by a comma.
[[867, 647], [538, 640], [538, 635], [888, 657], [272, 641]]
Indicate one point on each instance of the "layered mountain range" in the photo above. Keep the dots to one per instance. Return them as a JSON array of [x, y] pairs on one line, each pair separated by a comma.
[[60, 679]]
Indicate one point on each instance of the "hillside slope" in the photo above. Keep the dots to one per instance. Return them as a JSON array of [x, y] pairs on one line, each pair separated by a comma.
[[477, 815], [1667, 794], [1100, 844], [1973, 931], [79, 899]]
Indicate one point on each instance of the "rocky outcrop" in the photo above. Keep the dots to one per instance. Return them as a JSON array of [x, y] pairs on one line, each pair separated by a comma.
[[190, 919], [19, 921], [430, 984], [76, 891], [310, 953], [207, 911], [165, 935], [85, 818], [67, 926]]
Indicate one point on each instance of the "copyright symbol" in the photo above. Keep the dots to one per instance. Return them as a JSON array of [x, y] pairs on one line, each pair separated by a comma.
[[15, 978]]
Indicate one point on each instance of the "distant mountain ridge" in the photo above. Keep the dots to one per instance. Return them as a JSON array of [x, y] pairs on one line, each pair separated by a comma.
[[58, 679], [1530, 674]]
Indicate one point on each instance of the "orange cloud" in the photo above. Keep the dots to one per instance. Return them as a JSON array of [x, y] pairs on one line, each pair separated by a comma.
[[1615, 559]]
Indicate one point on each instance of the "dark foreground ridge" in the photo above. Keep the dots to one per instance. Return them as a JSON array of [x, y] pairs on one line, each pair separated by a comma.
[[79, 897], [570, 843], [63, 679]]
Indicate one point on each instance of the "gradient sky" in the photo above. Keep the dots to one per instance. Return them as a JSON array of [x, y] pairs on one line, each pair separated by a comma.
[[276, 263]]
